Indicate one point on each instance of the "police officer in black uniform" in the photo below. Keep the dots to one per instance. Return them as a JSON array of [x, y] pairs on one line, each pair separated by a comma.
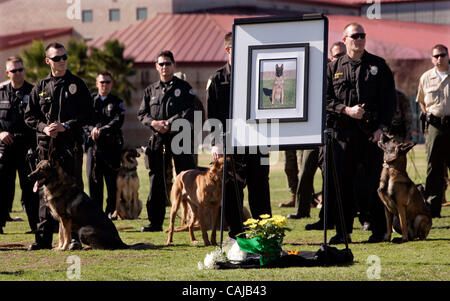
[[16, 139], [60, 105], [249, 169], [163, 103], [105, 141], [361, 95]]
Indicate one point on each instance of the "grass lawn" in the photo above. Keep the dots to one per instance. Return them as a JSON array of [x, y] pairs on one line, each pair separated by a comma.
[[427, 260], [289, 95]]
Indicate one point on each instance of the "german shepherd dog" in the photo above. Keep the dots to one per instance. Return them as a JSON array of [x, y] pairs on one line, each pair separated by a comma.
[[202, 190], [278, 85], [75, 211], [405, 207], [128, 204]]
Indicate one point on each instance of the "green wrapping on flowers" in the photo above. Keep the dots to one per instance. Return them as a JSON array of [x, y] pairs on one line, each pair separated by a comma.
[[269, 249]]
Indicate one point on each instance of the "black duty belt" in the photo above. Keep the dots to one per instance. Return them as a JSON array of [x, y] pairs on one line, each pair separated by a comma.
[[438, 121]]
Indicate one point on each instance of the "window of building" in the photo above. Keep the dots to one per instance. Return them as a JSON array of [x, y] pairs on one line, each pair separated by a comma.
[[141, 13], [114, 14], [87, 15]]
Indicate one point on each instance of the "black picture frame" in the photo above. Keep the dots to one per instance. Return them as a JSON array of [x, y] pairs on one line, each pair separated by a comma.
[[252, 77], [292, 135]]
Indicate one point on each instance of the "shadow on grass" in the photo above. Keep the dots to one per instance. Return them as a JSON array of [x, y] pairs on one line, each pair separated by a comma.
[[12, 247], [15, 273]]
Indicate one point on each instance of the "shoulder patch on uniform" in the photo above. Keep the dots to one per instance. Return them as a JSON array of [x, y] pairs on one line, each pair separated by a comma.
[[192, 92], [122, 105]]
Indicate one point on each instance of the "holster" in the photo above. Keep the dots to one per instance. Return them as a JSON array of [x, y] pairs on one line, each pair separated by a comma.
[[423, 121], [154, 144], [32, 158]]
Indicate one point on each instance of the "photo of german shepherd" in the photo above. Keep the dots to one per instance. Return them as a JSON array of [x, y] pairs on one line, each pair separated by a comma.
[[278, 85], [405, 207], [128, 204], [202, 190], [76, 211]]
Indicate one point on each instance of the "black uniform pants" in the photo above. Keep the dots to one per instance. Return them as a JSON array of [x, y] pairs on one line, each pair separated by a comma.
[[103, 164], [234, 198], [291, 169], [353, 150], [438, 159], [256, 176], [158, 163], [72, 165], [13, 158]]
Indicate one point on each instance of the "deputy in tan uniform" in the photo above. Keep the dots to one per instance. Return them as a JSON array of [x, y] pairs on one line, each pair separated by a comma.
[[433, 98]]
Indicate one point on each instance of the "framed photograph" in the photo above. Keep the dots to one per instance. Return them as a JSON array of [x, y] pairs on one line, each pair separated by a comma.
[[278, 82]]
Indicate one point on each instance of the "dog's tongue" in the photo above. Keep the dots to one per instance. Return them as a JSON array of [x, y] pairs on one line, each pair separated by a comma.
[[36, 186]]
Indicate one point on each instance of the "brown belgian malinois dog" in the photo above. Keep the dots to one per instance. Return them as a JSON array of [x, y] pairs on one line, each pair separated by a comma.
[[405, 207], [202, 190]]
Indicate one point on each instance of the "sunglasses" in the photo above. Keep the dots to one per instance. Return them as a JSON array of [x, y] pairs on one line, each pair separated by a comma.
[[16, 70], [105, 82], [58, 58], [338, 55], [440, 55], [165, 64], [356, 36]]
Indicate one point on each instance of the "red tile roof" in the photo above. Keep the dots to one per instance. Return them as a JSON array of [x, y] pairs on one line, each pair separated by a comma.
[[24, 38], [198, 38], [346, 3], [191, 37]]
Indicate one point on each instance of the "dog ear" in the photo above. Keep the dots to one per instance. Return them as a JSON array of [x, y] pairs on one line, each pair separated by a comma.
[[405, 147], [383, 140]]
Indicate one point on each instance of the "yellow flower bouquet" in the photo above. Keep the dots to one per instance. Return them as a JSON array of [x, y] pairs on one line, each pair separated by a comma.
[[264, 236]]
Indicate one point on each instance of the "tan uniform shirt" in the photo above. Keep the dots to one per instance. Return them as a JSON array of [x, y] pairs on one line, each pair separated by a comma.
[[434, 93]]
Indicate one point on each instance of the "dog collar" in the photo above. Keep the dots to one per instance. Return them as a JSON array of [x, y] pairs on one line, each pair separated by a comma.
[[130, 168]]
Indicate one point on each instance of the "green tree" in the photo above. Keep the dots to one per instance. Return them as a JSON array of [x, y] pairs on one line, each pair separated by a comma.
[[34, 62], [79, 62]]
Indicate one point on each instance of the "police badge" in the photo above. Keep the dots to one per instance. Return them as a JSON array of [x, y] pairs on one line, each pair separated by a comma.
[[177, 92], [72, 88], [373, 70]]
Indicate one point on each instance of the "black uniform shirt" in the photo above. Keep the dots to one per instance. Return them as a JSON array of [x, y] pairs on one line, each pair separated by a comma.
[[109, 113], [12, 108], [218, 95], [368, 82], [167, 101], [65, 99]]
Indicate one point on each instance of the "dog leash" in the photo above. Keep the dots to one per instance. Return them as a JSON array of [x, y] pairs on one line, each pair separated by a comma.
[[412, 159], [164, 172]]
